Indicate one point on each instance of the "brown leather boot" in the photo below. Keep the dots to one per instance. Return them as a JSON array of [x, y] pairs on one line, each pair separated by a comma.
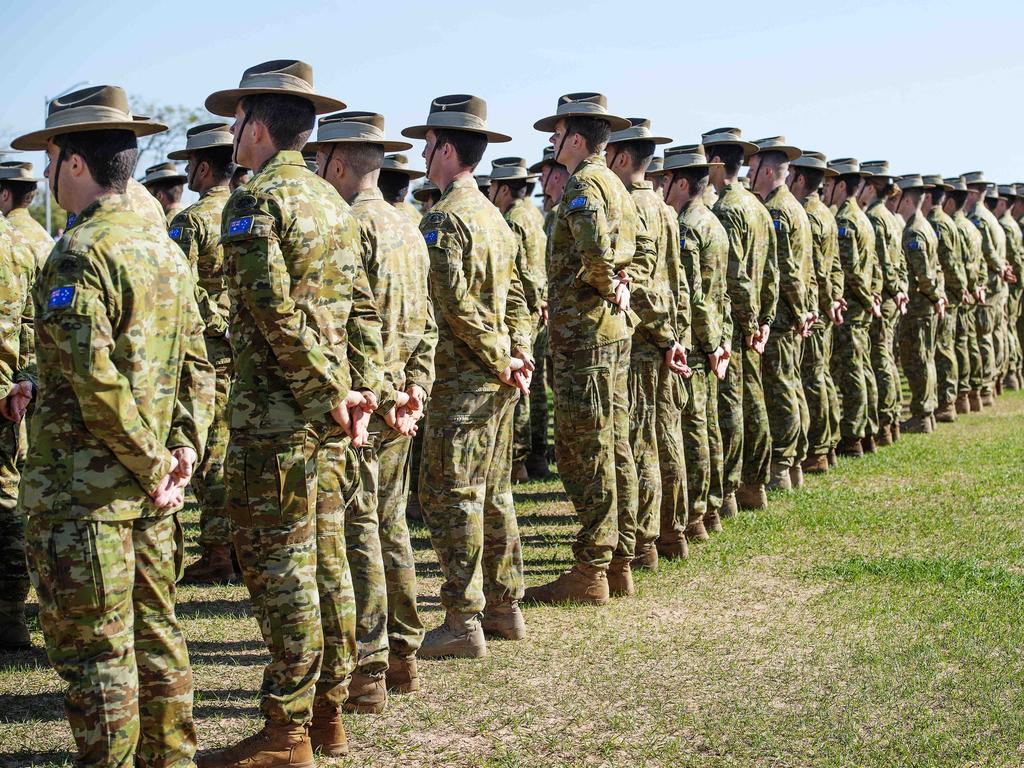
[[673, 549], [583, 583], [918, 425], [729, 509], [868, 444], [816, 465], [1011, 382], [697, 532], [998, 385], [894, 430], [327, 732], [519, 473], [537, 466], [778, 479], [620, 578], [884, 437], [214, 566], [850, 447], [14, 634], [988, 399], [833, 458], [752, 496], [504, 620], [402, 675], [460, 637], [962, 404], [276, 746], [796, 476], [367, 695], [713, 518], [646, 557], [974, 400], [945, 414]]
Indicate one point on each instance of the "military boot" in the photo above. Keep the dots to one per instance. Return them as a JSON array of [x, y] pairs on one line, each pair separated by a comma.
[[413, 510], [504, 620], [974, 399], [276, 746], [962, 404], [931, 420], [833, 458], [850, 447], [918, 425], [988, 399], [713, 517], [519, 473], [367, 695], [697, 532], [894, 430], [537, 466], [998, 385], [1010, 382], [214, 566], [583, 583], [327, 732], [816, 465], [646, 557], [620, 578], [883, 438], [460, 637], [674, 548], [796, 476], [753, 496], [867, 443], [729, 509], [14, 634], [778, 479], [945, 414], [402, 675]]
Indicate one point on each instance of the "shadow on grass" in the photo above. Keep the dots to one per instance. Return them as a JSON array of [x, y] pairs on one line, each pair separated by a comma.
[[237, 653], [21, 759], [200, 609], [226, 702], [29, 707], [19, 660]]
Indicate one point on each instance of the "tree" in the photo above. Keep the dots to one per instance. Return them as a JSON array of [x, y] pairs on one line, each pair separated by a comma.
[[178, 119]]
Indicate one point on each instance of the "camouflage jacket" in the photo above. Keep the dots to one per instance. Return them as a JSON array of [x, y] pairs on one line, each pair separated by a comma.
[[530, 254], [121, 375], [410, 211], [652, 296], [1014, 246], [949, 253], [147, 206], [304, 326], [536, 215], [828, 271], [993, 245], [24, 266], [970, 243], [33, 233], [888, 249], [478, 299], [704, 254], [858, 256], [592, 238], [920, 248], [398, 267], [14, 297], [794, 251], [753, 276], [196, 230]]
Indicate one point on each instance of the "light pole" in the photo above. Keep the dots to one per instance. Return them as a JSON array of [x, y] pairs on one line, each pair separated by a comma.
[[46, 113]]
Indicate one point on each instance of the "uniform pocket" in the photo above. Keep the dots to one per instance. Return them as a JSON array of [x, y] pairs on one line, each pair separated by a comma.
[[89, 567], [269, 485], [590, 395]]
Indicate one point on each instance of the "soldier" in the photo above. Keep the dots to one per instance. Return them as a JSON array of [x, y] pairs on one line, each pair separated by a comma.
[[165, 182], [395, 177], [704, 254], [950, 255], [350, 150], [879, 188], [655, 175], [592, 241], [1001, 209], [753, 292], [851, 365], [483, 361], [788, 416], [825, 291], [17, 191], [239, 178], [290, 254], [427, 195], [131, 401], [1017, 211], [660, 295], [509, 190], [196, 230]]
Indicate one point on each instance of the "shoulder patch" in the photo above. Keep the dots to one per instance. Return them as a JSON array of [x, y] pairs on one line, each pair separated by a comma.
[[239, 226], [61, 297], [842, 231], [577, 202], [430, 238], [434, 217], [776, 223], [71, 220], [915, 245], [245, 201], [175, 233]]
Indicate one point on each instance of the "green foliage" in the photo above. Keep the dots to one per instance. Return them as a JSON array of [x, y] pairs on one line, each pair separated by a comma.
[[178, 119]]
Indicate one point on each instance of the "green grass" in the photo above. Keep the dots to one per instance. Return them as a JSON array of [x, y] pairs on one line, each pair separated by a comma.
[[874, 618]]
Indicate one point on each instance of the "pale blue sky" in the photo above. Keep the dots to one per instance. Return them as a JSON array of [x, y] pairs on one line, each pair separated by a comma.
[[932, 87]]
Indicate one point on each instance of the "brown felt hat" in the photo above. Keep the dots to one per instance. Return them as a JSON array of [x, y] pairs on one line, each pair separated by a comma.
[[848, 165], [585, 104], [639, 130], [911, 181], [877, 169], [511, 169], [205, 136], [99, 108], [777, 144], [424, 190], [457, 112], [282, 77], [811, 159], [16, 170], [400, 164], [657, 165], [973, 177], [547, 158], [354, 128], [934, 180], [720, 136], [955, 183], [163, 172], [1008, 190], [685, 156]]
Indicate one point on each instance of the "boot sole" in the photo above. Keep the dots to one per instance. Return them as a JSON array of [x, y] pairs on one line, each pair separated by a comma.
[[472, 654], [569, 601], [499, 634], [403, 688], [325, 751], [360, 708]]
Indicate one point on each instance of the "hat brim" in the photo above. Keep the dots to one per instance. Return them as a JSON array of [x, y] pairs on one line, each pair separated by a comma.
[[657, 140], [185, 154], [405, 172], [749, 148], [791, 153], [538, 167], [421, 195], [388, 146], [527, 177], [547, 124], [180, 177], [663, 171], [36, 140], [420, 132], [224, 103]]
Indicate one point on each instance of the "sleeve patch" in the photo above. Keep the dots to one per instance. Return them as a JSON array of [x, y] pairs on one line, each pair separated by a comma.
[[61, 297], [915, 245], [778, 224], [71, 220], [240, 226], [842, 231], [175, 233], [577, 202], [430, 238]]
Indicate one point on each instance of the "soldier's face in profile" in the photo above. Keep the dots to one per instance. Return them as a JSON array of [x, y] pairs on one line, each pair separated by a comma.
[[241, 141]]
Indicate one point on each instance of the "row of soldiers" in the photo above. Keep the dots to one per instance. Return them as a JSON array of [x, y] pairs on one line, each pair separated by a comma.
[[277, 344]]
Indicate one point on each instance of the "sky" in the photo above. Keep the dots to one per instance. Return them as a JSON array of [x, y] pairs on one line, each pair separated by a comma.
[[932, 87]]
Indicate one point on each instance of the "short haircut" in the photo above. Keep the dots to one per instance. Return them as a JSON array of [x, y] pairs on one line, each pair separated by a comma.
[[110, 156], [394, 186], [696, 179], [850, 181], [361, 158], [731, 156], [517, 187], [530, 187], [773, 157], [469, 147], [812, 176], [22, 192], [288, 119], [170, 188], [640, 151], [959, 196], [595, 131], [938, 194], [220, 160], [991, 203], [885, 187]]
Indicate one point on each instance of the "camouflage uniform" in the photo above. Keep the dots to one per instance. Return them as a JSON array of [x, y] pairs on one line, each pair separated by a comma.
[[377, 536], [991, 316], [851, 365], [290, 254], [197, 232], [704, 252], [33, 233], [753, 292], [968, 337], [593, 236], [137, 197], [893, 268], [465, 483], [1015, 257], [409, 210], [951, 260], [122, 379], [788, 415]]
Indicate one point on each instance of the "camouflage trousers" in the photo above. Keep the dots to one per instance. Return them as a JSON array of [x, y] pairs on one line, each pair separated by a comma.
[[835, 411], [208, 481], [947, 373], [986, 317], [592, 447], [883, 363], [672, 400], [917, 355], [14, 579], [522, 420], [466, 496], [380, 552], [702, 445], [788, 415], [539, 416], [851, 371], [730, 418], [1013, 310], [871, 384], [106, 606], [815, 381], [756, 437], [1000, 348], [968, 350]]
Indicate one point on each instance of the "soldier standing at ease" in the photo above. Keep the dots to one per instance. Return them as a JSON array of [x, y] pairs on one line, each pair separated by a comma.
[[592, 242], [1001, 209], [482, 363], [395, 177], [123, 388], [17, 191], [165, 182]]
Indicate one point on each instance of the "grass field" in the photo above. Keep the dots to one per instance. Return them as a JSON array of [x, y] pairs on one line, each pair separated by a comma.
[[875, 618]]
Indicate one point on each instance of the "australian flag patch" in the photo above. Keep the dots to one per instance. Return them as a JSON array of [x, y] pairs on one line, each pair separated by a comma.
[[430, 238], [175, 233], [577, 202], [913, 245], [72, 218], [61, 297], [240, 226], [842, 231]]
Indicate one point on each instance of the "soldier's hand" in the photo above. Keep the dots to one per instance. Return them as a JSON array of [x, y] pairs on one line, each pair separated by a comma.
[[15, 405], [719, 362], [187, 459], [675, 359], [543, 312], [876, 307], [1008, 274], [417, 397], [940, 307], [512, 378], [980, 293], [167, 493], [761, 339], [966, 298], [353, 415], [620, 285], [401, 418]]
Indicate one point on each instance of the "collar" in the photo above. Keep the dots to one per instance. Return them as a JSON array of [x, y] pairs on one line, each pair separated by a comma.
[[592, 160], [464, 182], [283, 157], [777, 192], [106, 202], [220, 189], [370, 193], [641, 185]]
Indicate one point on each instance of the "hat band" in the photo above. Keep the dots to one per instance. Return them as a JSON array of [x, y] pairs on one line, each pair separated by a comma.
[[637, 133], [581, 107], [683, 161], [456, 120], [277, 81], [350, 131], [721, 138], [92, 113], [19, 174], [208, 140], [810, 162], [517, 172]]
